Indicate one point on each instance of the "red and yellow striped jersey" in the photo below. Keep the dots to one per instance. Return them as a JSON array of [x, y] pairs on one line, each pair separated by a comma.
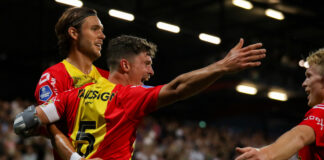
[[102, 118], [62, 77]]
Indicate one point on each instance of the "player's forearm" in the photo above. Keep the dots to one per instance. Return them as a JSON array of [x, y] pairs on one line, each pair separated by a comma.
[[189, 84], [42, 116], [60, 142], [288, 144]]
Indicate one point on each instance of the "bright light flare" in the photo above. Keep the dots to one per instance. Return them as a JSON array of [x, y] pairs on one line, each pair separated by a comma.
[[278, 95], [274, 14], [303, 63], [209, 38], [75, 3], [168, 27], [246, 88], [243, 4], [121, 15]]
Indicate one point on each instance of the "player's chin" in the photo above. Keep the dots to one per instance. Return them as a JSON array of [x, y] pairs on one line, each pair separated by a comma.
[[310, 103], [145, 79], [97, 54]]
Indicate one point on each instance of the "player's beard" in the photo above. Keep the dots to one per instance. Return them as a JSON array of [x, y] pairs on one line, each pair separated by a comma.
[[89, 49]]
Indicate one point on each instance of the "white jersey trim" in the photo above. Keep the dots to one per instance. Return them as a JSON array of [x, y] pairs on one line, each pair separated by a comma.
[[319, 107], [50, 112]]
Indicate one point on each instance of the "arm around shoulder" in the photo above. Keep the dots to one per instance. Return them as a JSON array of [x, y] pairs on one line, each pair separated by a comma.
[[29, 120]]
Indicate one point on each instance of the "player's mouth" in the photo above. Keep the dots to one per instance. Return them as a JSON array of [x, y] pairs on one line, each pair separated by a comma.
[[98, 45]]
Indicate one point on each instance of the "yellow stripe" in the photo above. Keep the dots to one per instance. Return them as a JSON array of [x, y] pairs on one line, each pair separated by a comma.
[[92, 107]]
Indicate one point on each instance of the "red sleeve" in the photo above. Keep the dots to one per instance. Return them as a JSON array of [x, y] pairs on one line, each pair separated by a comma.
[[53, 81], [67, 104], [314, 118], [138, 101], [46, 88]]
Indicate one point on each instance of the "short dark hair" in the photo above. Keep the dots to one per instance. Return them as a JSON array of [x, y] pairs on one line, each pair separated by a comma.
[[126, 46], [72, 17]]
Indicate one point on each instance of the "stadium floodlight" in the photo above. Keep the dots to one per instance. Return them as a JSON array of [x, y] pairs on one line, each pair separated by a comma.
[[306, 64], [168, 27], [209, 38], [303, 63], [75, 3], [278, 95], [274, 14], [246, 88], [243, 4], [121, 15]]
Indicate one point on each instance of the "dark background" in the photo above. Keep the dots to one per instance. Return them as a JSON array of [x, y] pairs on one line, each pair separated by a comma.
[[28, 47]]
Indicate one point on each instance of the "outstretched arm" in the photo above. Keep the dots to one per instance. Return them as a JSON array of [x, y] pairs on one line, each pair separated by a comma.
[[191, 83], [283, 148]]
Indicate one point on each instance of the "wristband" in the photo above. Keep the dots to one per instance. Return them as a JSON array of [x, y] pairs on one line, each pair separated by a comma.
[[75, 156]]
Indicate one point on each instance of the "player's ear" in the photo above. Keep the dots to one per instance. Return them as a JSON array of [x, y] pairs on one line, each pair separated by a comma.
[[73, 32], [125, 65]]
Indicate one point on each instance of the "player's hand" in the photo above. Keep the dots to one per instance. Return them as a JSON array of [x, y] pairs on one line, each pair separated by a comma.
[[240, 57], [249, 153]]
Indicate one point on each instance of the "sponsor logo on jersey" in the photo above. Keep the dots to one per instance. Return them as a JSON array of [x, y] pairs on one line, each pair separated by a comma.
[[319, 121], [93, 94], [45, 93]]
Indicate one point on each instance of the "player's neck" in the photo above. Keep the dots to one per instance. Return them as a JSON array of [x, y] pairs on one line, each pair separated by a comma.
[[80, 61], [120, 78]]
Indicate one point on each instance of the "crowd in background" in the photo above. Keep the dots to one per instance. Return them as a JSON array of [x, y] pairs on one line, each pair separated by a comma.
[[157, 139]]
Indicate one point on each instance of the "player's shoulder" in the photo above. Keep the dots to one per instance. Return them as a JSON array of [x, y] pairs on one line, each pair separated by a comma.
[[103, 72], [58, 67], [137, 88], [317, 109], [57, 70]]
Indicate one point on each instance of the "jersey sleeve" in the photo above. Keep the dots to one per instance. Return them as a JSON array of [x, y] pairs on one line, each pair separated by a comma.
[[63, 105], [46, 88], [138, 101], [314, 118]]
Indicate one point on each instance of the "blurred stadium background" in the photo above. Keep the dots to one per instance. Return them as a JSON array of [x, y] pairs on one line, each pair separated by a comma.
[[207, 126]]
